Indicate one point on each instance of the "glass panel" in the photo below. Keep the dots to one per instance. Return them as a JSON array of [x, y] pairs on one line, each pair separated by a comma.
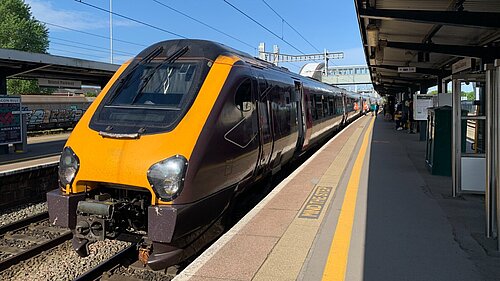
[[153, 95], [243, 96], [472, 99], [473, 136]]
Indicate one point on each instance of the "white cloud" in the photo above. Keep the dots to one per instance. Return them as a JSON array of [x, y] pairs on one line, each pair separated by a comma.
[[46, 12]]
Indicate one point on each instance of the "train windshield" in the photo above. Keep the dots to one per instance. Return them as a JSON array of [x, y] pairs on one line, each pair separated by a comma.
[[166, 87], [152, 96]]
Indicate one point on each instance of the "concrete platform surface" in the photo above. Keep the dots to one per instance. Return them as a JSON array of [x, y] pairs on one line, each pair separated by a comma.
[[364, 207], [42, 151]]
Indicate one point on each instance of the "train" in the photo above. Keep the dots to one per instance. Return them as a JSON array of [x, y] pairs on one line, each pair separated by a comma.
[[47, 112], [178, 133]]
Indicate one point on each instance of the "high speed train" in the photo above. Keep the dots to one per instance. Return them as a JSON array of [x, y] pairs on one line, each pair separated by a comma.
[[176, 135]]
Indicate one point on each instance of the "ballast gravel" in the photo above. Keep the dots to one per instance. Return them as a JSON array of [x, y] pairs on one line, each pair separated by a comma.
[[62, 262], [141, 274], [18, 213]]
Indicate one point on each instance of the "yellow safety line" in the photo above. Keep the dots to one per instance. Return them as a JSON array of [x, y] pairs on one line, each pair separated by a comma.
[[336, 264]]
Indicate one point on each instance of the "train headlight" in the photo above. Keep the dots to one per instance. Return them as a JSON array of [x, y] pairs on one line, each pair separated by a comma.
[[68, 167], [167, 177]]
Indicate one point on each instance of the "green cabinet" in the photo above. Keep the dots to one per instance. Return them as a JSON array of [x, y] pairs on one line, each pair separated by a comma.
[[439, 139]]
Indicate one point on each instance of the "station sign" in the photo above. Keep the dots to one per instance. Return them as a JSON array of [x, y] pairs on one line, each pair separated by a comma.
[[10, 120], [461, 65], [58, 83], [407, 69]]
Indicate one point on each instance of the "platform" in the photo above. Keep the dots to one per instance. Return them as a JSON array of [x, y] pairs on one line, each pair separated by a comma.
[[43, 151], [362, 208]]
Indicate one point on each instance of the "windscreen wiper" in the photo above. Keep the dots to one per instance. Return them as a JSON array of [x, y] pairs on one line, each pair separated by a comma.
[[170, 59], [124, 81], [144, 60]]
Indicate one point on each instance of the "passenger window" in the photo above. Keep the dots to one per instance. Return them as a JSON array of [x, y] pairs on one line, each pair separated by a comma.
[[243, 96], [319, 106]]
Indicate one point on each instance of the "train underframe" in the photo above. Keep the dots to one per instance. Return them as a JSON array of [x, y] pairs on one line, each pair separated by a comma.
[[166, 234]]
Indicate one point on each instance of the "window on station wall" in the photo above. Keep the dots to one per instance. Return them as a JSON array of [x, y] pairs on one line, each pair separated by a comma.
[[474, 139], [472, 98]]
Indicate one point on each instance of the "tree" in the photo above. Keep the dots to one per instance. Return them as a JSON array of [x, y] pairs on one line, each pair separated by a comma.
[[21, 31]]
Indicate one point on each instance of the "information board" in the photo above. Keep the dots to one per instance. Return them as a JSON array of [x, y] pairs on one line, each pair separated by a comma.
[[420, 105], [10, 120]]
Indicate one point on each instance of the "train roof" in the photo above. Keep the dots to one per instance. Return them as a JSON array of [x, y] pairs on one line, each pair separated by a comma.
[[197, 48], [211, 50]]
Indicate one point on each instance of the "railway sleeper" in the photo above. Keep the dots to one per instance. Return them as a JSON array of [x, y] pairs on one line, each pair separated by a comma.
[[50, 229], [25, 238], [10, 250]]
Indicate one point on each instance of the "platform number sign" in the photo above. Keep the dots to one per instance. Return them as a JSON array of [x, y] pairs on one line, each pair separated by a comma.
[[10, 120]]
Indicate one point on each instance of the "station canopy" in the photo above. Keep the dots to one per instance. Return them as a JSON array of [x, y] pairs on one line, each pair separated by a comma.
[[409, 44], [26, 65]]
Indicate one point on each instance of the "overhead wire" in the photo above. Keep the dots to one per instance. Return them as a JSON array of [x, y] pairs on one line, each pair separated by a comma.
[[131, 19], [202, 23], [261, 25], [285, 21], [92, 34], [101, 49], [77, 53], [296, 31], [82, 48]]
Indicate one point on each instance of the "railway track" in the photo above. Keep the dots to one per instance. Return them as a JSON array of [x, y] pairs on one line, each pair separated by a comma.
[[27, 238], [100, 272]]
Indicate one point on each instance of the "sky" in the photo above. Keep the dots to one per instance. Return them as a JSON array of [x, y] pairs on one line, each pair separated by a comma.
[[78, 30]]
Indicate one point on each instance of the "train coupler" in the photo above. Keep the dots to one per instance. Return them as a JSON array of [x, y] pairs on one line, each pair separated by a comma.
[[81, 246]]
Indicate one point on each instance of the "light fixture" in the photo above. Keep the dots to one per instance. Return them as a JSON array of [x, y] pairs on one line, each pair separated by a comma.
[[372, 35]]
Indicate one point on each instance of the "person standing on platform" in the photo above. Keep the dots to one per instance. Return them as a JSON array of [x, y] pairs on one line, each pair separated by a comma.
[[398, 115], [411, 127], [377, 107]]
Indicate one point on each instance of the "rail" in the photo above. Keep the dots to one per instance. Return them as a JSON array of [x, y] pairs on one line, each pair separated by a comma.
[[39, 245]]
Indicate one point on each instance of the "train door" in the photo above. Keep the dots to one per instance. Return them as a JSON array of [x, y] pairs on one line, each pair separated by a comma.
[[301, 115], [344, 109], [265, 125]]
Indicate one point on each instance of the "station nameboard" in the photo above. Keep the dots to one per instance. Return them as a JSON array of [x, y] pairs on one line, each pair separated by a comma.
[[407, 69], [461, 65], [58, 83], [420, 105], [10, 120]]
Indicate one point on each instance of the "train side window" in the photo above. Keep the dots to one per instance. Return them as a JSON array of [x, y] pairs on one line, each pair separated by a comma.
[[314, 107], [338, 105], [325, 106], [319, 106], [243, 96], [331, 106]]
